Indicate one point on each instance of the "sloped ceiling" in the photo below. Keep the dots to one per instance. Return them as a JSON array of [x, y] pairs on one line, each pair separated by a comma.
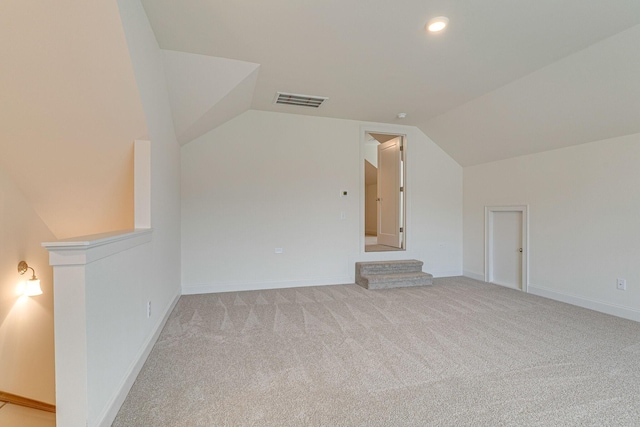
[[70, 112], [591, 95], [500, 70], [206, 91]]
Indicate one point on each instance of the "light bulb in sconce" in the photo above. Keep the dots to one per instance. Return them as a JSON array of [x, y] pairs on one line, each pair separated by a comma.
[[32, 287]]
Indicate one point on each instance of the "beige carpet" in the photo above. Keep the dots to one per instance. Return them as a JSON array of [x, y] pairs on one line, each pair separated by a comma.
[[458, 353]]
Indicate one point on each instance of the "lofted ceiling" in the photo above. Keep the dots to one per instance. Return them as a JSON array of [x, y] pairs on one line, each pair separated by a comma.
[[506, 78], [70, 110], [206, 91]]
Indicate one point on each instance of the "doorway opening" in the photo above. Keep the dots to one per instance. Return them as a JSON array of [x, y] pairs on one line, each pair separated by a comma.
[[384, 192], [506, 246]]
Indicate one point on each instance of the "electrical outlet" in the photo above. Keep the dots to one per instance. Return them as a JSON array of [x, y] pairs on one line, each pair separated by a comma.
[[621, 284], [148, 309]]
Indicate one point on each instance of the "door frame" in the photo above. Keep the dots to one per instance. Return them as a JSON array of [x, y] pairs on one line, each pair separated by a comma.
[[406, 211], [488, 241]]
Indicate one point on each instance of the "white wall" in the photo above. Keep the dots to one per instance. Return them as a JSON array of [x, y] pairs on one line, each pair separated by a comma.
[[146, 59], [26, 323], [119, 334], [370, 149], [70, 112], [584, 220], [265, 180]]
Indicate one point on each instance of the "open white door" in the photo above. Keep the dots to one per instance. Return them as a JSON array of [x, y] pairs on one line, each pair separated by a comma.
[[506, 246], [389, 180]]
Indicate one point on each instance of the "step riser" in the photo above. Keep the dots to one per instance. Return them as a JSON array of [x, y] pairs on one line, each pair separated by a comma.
[[392, 269], [395, 277], [386, 267], [403, 284]]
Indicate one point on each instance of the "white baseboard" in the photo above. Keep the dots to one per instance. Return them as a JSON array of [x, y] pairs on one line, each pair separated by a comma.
[[473, 275], [601, 306], [112, 408], [257, 286], [506, 285], [439, 274]]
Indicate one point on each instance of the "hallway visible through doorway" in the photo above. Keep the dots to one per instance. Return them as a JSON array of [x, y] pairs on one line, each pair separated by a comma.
[[371, 245]]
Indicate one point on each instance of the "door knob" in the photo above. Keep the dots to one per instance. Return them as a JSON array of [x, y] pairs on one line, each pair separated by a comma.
[[520, 250]]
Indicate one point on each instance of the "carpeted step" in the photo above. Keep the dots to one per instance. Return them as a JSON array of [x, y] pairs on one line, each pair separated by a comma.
[[391, 274], [396, 280], [387, 267]]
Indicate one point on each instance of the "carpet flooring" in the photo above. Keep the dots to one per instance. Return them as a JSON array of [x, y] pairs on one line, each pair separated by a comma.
[[457, 353]]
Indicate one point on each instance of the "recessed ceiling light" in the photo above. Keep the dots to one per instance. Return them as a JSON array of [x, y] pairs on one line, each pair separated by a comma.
[[437, 24]]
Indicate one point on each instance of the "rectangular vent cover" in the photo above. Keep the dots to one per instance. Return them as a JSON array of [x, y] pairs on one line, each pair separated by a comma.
[[299, 100]]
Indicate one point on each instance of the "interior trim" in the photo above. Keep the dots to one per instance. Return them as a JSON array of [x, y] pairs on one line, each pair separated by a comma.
[[14, 399]]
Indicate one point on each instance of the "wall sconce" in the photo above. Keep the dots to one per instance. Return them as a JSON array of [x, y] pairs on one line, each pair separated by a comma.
[[33, 284]]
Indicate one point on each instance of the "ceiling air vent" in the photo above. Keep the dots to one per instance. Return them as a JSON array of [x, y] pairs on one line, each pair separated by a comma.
[[299, 100]]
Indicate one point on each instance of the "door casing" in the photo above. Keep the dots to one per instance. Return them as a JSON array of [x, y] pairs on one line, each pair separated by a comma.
[[488, 241]]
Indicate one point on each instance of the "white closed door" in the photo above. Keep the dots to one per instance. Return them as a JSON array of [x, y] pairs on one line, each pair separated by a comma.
[[389, 193], [507, 249]]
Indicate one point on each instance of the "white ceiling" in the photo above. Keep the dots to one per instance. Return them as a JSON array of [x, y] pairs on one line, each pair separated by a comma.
[[200, 90], [506, 78]]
